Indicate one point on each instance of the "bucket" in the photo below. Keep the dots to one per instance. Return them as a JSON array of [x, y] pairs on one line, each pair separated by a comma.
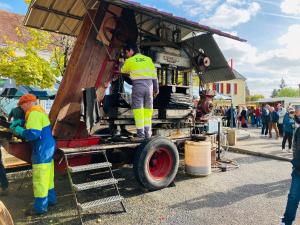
[[231, 137], [197, 157]]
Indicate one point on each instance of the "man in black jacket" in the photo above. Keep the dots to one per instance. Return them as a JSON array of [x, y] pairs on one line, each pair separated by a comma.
[[265, 120], [274, 117], [294, 194]]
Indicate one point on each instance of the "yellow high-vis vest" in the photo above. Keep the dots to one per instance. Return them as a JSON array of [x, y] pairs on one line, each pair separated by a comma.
[[139, 67]]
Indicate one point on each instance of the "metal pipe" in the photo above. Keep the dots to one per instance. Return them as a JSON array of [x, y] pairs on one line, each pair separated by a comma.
[[219, 142]]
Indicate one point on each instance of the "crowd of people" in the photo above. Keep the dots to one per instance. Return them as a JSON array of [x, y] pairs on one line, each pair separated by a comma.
[[282, 121], [271, 119]]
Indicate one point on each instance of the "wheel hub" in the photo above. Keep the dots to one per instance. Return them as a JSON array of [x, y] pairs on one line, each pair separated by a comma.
[[160, 164]]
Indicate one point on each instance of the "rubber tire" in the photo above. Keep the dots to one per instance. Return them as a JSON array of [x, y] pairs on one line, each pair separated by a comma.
[[142, 155]]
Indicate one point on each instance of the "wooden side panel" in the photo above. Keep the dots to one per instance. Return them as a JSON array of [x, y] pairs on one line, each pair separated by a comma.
[[83, 69]]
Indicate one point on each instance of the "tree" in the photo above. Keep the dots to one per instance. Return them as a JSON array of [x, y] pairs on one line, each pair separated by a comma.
[[274, 93], [288, 92], [256, 97], [24, 63]]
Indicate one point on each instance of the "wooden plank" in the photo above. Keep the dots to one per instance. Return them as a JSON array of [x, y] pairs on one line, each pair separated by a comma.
[[118, 145], [82, 72], [9, 161]]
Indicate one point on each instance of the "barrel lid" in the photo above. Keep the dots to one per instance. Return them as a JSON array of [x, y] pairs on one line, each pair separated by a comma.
[[198, 143]]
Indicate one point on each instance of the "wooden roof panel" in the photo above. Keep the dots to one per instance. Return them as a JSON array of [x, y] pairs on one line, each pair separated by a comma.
[[76, 10]]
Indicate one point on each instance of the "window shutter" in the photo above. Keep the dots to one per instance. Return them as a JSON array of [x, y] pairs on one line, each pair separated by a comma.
[[235, 88], [222, 88], [228, 88], [214, 87]]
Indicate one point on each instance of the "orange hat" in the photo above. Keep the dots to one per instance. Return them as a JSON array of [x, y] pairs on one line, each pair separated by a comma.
[[27, 98]]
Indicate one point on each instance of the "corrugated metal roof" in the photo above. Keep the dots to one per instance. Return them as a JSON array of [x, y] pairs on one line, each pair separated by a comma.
[[65, 17]]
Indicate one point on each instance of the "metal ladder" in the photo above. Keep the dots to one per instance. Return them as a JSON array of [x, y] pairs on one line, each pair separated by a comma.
[[82, 207]]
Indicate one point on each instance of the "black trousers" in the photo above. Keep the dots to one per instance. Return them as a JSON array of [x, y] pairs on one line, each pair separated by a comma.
[[264, 128], [289, 137], [280, 127]]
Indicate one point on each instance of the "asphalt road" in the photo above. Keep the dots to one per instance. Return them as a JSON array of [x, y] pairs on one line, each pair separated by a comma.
[[255, 193]]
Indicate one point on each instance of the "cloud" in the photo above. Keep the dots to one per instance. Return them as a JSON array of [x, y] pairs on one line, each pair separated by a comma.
[[290, 41], [264, 69], [176, 2], [5, 6], [195, 7], [290, 7], [229, 16]]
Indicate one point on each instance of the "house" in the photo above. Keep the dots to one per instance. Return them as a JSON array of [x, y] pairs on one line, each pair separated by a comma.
[[235, 88]]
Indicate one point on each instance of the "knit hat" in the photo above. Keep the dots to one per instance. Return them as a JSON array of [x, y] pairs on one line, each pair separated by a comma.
[[27, 98]]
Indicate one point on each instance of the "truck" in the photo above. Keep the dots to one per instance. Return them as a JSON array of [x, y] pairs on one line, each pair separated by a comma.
[[92, 108]]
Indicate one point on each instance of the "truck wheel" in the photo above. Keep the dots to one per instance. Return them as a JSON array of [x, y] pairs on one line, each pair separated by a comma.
[[156, 163]]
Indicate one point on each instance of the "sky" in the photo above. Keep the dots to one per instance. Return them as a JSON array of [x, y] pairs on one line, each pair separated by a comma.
[[271, 28]]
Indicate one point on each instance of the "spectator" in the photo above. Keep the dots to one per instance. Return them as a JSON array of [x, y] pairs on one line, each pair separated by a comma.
[[281, 113], [228, 116], [258, 116], [294, 194], [243, 118], [265, 119], [288, 129], [274, 117], [252, 116]]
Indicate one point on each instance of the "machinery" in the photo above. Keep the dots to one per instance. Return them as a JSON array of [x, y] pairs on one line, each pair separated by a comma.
[[184, 52]]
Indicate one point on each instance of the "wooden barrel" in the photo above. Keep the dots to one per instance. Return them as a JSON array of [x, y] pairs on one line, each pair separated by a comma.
[[197, 157], [5, 217]]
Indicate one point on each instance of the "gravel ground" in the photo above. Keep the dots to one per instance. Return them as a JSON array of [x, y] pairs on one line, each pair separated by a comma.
[[255, 193]]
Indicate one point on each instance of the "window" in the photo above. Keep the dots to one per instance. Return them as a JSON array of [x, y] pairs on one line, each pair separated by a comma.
[[222, 88], [218, 87], [228, 88]]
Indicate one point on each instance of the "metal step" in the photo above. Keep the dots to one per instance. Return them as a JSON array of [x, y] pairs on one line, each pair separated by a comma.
[[88, 167], [94, 184], [99, 202]]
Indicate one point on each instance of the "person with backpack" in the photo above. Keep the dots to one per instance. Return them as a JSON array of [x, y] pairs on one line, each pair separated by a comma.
[[274, 117], [288, 129]]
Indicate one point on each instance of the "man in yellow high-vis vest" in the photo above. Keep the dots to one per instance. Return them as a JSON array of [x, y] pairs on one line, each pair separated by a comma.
[[144, 86]]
